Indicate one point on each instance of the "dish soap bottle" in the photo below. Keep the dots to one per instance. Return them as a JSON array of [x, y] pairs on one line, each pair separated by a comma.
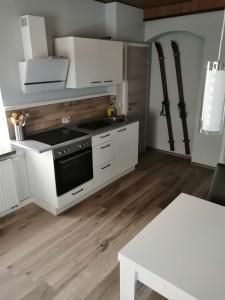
[[111, 111]]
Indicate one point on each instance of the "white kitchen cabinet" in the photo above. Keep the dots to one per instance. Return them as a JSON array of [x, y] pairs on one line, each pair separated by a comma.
[[93, 62], [115, 153], [103, 158], [126, 144], [102, 138], [104, 173], [20, 173], [103, 153], [41, 174]]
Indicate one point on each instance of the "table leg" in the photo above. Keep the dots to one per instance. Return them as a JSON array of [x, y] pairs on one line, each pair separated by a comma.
[[128, 278]]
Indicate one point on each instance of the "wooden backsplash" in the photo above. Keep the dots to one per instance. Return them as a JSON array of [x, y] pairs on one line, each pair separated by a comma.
[[49, 116]]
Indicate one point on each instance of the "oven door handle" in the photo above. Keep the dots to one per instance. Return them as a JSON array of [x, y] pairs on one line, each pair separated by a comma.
[[65, 161]]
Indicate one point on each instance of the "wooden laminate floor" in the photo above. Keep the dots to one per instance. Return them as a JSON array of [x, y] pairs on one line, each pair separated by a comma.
[[74, 256]]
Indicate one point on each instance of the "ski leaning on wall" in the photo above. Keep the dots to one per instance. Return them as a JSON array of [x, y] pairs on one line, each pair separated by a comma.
[[181, 104], [165, 104]]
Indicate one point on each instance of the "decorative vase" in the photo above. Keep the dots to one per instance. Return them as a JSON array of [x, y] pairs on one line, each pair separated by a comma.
[[19, 132]]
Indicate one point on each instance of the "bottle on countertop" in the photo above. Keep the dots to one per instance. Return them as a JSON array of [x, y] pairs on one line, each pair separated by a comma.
[[111, 111]]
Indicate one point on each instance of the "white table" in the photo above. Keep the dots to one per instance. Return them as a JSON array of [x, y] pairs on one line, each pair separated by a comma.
[[180, 254]]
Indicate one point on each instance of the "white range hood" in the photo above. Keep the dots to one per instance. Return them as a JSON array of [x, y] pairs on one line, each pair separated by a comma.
[[44, 74], [39, 73]]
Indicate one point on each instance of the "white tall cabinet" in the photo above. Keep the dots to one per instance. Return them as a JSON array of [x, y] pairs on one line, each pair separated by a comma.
[[93, 62], [126, 140]]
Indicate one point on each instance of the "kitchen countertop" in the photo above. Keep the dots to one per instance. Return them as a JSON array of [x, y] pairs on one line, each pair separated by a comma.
[[6, 151], [42, 147], [32, 145]]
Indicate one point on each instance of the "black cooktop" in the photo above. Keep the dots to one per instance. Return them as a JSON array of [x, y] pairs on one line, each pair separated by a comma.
[[56, 136], [94, 125]]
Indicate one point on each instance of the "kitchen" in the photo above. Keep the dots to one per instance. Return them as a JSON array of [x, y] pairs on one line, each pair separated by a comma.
[[89, 164]]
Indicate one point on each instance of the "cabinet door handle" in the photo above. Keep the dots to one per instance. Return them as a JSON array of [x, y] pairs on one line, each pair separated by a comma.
[[103, 136], [108, 81], [103, 147], [106, 166], [96, 82], [124, 129], [77, 192]]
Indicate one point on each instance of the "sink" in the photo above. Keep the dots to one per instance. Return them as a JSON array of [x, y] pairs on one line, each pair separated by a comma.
[[98, 124], [94, 125], [115, 120]]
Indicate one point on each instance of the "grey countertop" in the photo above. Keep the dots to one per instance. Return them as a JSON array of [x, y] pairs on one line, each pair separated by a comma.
[[6, 151], [41, 147]]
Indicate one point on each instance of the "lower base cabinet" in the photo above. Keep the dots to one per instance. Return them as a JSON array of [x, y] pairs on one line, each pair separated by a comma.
[[126, 147], [116, 156], [115, 153], [104, 173]]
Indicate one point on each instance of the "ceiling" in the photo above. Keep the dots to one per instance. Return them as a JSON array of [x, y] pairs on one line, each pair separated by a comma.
[[146, 3]]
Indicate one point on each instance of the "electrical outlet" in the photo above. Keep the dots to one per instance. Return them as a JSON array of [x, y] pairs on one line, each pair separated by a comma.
[[66, 120]]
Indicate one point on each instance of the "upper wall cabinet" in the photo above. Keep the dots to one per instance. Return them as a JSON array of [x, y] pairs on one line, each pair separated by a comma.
[[92, 62]]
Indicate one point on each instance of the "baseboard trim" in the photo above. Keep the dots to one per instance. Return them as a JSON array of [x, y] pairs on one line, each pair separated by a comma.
[[170, 153], [182, 156], [203, 166]]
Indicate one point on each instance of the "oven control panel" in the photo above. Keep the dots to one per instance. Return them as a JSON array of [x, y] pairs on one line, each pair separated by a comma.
[[71, 148]]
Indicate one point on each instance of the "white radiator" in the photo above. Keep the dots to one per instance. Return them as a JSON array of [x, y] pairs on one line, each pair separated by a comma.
[[8, 191]]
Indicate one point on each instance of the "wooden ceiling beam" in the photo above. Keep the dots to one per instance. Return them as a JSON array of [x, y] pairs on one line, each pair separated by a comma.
[[144, 3], [184, 8]]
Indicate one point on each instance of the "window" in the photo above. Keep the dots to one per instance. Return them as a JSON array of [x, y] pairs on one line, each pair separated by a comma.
[[4, 134]]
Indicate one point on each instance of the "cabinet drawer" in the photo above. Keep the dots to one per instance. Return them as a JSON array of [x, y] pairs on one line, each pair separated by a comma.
[[75, 194], [102, 138], [126, 144], [104, 173], [103, 153]]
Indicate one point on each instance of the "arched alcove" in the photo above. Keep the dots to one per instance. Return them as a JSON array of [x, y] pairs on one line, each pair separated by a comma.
[[191, 47], [206, 149]]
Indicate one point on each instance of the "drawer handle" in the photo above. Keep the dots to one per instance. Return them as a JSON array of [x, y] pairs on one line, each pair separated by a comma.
[[77, 192], [96, 82], [124, 129], [103, 147], [108, 81], [106, 166], [101, 137]]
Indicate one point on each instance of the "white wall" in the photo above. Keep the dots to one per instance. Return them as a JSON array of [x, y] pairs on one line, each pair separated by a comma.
[[4, 135], [206, 149], [67, 17], [124, 22]]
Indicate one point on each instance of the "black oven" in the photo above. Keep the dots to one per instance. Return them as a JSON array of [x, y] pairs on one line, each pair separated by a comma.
[[73, 169]]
